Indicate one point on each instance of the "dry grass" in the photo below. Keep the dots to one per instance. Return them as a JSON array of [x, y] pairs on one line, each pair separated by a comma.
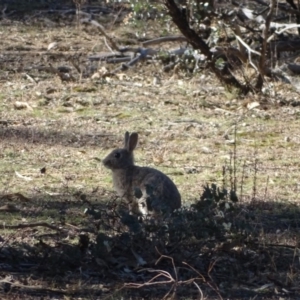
[[186, 124], [179, 135]]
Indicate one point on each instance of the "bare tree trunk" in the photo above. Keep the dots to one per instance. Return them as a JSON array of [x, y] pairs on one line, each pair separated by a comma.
[[262, 61], [180, 19]]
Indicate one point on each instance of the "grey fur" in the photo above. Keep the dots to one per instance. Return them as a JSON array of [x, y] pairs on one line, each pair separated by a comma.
[[159, 193]]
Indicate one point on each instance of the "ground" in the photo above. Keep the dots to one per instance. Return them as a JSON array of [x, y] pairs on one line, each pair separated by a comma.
[[54, 134]]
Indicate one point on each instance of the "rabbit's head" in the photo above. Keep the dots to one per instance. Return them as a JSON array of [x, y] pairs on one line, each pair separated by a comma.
[[122, 158]]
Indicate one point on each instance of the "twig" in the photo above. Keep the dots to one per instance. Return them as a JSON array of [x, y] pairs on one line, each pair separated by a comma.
[[226, 77], [117, 16], [231, 169], [118, 60], [78, 4], [237, 30], [103, 56], [168, 257], [262, 61], [3, 11], [30, 78], [288, 26], [249, 51], [266, 189], [215, 287], [242, 179], [36, 288], [200, 275], [255, 176], [76, 66], [174, 286], [200, 291], [143, 55], [165, 274], [102, 30], [73, 226], [223, 177], [204, 280], [152, 281], [106, 44], [234, 158]]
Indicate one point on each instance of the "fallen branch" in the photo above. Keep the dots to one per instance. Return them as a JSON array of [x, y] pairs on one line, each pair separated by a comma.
[[213, 287], [161, 273], [143, 55]]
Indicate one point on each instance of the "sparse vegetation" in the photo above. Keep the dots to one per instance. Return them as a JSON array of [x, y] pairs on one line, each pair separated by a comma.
[[65, 235]]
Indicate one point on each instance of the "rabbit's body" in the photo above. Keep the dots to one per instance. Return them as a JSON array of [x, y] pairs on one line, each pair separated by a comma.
[[158, 192]]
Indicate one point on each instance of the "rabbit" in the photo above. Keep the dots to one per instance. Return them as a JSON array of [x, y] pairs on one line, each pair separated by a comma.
[[147, 190]]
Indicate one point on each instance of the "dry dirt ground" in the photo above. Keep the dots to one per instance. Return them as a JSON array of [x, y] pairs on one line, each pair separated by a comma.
[[54, 134]]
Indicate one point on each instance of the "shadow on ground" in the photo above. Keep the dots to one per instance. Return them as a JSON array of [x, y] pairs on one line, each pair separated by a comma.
[[23, 10], [46, 136], [95, 247]]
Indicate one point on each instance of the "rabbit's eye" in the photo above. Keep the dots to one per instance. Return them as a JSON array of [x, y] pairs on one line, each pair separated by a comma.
[[117, 155]]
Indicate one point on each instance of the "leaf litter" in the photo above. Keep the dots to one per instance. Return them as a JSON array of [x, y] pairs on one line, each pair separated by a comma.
[[65, 234]]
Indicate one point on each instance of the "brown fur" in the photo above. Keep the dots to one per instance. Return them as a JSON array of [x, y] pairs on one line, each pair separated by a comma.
[[159, 193]]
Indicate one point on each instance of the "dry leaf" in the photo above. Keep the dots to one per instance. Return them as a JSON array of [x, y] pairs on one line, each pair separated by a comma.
[[23, 177], [96, 76], [252, 105], [206, 150], [52, 45], [30, 78], [103, 71], [122, 76]]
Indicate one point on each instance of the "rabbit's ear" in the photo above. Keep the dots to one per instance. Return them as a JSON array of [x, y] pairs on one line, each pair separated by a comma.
[[133, 139], [126, 140]]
